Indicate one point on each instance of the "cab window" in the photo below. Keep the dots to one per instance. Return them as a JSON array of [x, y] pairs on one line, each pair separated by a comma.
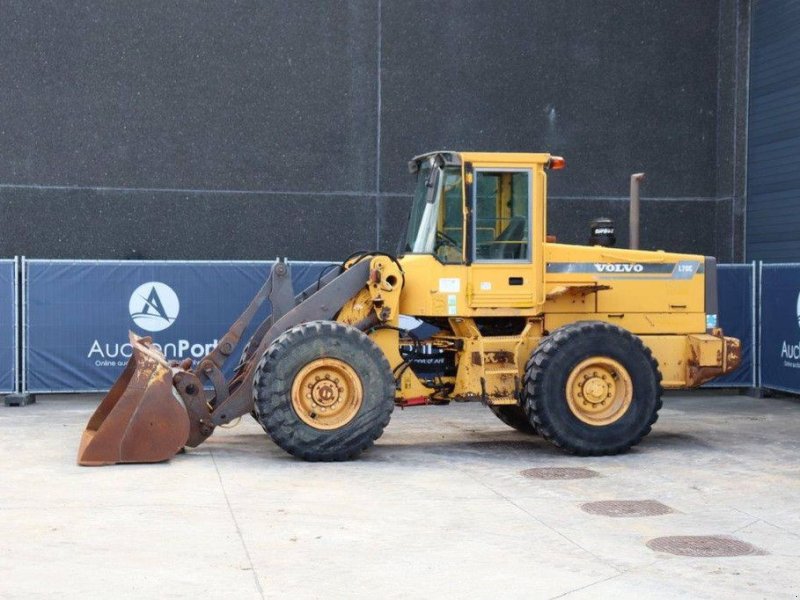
[[450, 229], [502, 215]]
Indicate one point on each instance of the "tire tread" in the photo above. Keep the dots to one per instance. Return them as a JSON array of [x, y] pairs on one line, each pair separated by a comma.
[[537, 367], [282, 425]]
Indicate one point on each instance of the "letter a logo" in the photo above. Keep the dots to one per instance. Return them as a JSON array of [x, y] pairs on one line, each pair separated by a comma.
[[154, 306]]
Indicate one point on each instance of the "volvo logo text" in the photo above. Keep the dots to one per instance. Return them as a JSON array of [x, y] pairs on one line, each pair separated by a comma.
[[154, 306], [618, 268]]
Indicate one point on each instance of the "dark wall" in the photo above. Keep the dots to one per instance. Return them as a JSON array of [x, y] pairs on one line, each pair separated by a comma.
[[773, 221], [228, 129]]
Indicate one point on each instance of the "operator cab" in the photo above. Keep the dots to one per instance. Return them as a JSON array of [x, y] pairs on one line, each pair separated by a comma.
[[486, 211], [498, 214]]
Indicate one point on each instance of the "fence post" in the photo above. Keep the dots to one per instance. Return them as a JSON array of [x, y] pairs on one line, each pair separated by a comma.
[[20, 397]]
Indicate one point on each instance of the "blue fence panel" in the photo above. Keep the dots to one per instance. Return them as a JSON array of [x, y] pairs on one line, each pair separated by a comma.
[[8, 326], [79, 313], [737, 296], [779, 319]]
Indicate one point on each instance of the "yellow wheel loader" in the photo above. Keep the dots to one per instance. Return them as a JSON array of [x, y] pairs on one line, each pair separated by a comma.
[[574, 343]]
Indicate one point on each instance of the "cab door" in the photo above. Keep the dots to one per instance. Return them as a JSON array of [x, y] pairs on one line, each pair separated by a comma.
[[502, 263]]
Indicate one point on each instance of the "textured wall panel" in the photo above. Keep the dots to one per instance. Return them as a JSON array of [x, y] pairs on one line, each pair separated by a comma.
[[615, 87], [287, 126], [168, 94], [773, 204], [161, 225]]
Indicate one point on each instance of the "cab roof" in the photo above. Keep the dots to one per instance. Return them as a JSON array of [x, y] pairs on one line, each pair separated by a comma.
[[451, 157]]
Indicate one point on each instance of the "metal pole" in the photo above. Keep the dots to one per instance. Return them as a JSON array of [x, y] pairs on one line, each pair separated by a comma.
[[633, 225]]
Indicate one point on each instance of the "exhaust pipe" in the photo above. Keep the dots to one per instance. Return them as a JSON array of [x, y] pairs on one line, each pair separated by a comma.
[[636, 180]]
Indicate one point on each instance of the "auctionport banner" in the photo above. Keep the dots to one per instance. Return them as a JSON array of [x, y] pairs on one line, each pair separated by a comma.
[[736, 287], [780, 327], [79, 313], [8, 326]]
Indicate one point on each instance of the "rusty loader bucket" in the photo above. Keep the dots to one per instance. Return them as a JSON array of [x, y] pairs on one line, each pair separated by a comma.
[[142, 418]]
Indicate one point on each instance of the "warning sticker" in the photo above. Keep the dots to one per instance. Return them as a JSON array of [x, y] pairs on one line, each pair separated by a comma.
[[449, 285]]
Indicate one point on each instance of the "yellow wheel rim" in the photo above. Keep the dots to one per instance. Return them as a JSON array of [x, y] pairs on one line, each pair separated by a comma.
[[327, 393], [599, 391]]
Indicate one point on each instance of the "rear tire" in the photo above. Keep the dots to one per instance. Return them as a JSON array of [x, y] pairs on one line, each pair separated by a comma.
[[592, 389], [324, 391], [514, 416]]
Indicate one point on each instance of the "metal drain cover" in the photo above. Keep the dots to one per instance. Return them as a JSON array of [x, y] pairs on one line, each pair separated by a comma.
[[703, 545], [627, 508], [560, 473]]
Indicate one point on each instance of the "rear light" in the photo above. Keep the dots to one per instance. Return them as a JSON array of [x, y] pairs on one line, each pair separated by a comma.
[[556, 163]]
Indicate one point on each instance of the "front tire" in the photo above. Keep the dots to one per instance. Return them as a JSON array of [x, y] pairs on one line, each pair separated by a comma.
[[324, 391], [592, 389]]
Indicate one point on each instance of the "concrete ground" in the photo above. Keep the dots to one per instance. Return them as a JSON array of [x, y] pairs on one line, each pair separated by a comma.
[[438, 509]]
